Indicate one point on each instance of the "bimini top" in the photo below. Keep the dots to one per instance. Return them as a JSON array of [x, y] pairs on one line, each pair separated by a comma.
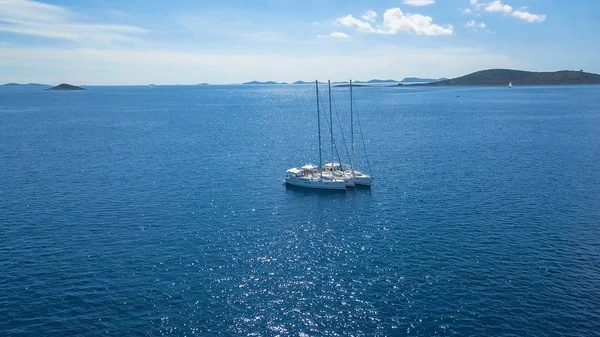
[[293, 170], [309, 167], [330, 165], [338, 166]]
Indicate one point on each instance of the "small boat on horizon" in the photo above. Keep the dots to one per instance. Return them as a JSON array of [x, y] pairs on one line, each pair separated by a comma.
[[510, 84]]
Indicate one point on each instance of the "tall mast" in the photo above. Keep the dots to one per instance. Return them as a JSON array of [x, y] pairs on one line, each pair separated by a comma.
[[353, 154], [319, 126], [351, 124], [331, 125]]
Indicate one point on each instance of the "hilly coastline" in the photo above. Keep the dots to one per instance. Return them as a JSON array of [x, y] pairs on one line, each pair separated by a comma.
[[23, 85], [374, 81], [520, 77], [421, 80]]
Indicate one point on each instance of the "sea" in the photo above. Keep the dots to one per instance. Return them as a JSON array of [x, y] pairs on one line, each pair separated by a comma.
[[160, 211]]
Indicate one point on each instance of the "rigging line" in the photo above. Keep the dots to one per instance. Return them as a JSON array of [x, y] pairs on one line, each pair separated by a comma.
[[319, 126], [327, 122], [337, 115], [361, 137]]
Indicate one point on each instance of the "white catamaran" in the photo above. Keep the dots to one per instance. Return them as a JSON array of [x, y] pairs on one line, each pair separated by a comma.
[[311, 176]]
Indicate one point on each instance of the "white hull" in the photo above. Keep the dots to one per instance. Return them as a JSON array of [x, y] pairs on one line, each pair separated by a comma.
[[317, 183], [346, 176], [364, 181], [358, 178]]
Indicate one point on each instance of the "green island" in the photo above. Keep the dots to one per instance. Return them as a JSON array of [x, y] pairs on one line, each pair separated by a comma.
[[520, 77]]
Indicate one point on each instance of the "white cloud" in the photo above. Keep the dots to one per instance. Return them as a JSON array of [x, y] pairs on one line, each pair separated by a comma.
[[498, 6], [529, 17], [370, 16], [354, 23], [39, 19], [467, 11], [394, 21], [340, 35], [475, 24], [336, 35], [418, 2]]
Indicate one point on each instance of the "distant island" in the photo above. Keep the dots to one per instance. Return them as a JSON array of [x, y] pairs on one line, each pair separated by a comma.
[[311, 82], [376, 81], [520, 77], [65, 86], [26, 85], [421, 80], [353, 85], [267, 82], [347, 83]]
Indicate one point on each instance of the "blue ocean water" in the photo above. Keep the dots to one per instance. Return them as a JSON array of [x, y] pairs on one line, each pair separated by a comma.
[[131, 211]]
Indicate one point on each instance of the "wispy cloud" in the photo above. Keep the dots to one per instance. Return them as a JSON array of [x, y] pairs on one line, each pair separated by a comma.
[[351, 22], [370, 15], [418, 2], [475, 24], [499, 7], [394, 21], [34, 18], [529, 17], [336, 35]]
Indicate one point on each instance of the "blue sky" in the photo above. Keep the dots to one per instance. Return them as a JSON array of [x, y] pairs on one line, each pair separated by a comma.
[[221, 41]]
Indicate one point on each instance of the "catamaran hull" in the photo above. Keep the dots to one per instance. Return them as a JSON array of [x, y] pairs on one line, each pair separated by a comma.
[[348, 179], [322, 185], [363, 181]]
